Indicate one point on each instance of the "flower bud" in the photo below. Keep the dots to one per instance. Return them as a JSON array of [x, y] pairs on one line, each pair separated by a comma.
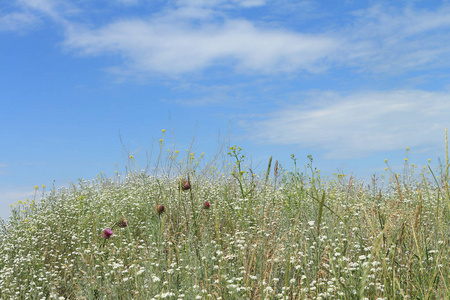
[[123, 223], [185, 185], [159, 208]]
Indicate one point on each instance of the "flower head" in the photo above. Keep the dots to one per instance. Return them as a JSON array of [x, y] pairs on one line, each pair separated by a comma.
[[107, 233], [206, 205], [159, 208], [185, 185]]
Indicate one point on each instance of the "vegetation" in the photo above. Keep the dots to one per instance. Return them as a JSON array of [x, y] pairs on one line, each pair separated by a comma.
[[192, 230]]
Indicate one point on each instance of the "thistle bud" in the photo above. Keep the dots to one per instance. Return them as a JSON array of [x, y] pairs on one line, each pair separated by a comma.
[[185, 185], [123, 223], [159, 209]]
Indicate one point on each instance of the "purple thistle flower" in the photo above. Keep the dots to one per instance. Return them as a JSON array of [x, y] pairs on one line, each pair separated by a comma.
[[107, 233]]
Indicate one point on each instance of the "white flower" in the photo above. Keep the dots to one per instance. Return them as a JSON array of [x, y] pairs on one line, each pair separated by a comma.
[[140, 272]]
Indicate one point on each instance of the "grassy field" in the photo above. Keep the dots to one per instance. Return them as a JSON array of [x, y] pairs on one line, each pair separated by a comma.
[[192, 230]]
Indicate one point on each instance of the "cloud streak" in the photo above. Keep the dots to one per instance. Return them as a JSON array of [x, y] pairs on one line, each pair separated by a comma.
[[359, 124], [397, 40], [17, 21], [174, 49]]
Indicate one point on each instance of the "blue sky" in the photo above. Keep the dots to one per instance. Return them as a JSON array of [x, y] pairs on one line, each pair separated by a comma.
[[350, 82]]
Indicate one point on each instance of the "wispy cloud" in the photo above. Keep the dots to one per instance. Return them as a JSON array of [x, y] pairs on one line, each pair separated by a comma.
[[174, 48], [58, 10], [382, 39], [17, 21], [221, 3], [127, 2], [358, 124]]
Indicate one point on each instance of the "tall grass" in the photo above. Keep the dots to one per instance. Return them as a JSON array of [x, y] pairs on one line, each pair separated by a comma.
[[291, 235]]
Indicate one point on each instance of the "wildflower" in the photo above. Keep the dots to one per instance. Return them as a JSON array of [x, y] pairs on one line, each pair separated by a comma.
[[159, 208], [206, 205], [107, 233], [185, 185], [131, 156]]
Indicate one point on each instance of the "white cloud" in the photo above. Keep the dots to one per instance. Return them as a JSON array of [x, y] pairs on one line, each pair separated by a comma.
[[359, 124], [179, 47], [58, 10], [47, 7], [17, 21]]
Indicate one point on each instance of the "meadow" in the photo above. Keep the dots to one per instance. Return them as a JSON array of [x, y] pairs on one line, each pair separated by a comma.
[[191, 229]]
